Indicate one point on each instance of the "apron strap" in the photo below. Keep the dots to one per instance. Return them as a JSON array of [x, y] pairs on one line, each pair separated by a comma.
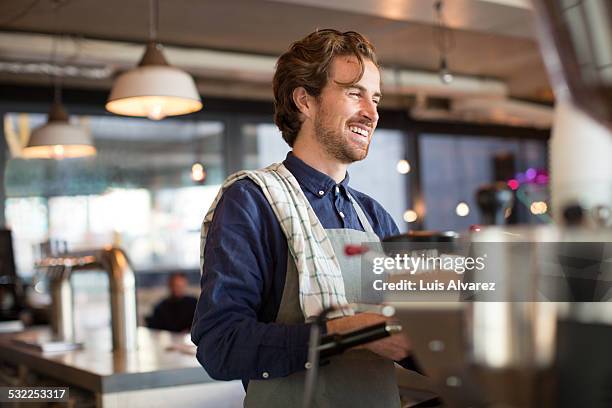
[[360, 214]]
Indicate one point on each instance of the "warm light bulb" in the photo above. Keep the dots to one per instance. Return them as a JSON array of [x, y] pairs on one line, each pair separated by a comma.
[[538, 208], [446, 77], [462, 209], [403, 167], [197, 172], [410, 216], [156, 112], [58, 151]]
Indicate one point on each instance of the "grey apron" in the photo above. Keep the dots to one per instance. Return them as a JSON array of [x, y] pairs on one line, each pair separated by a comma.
[[356, 378]]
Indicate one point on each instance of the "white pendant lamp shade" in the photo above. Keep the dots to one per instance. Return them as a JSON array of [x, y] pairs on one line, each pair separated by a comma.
[[58, 139], [154, 89]]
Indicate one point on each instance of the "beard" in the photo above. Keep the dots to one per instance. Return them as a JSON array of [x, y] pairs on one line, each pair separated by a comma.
[[336, 144]]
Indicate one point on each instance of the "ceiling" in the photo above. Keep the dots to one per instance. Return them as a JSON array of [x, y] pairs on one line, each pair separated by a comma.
[[493, 39]]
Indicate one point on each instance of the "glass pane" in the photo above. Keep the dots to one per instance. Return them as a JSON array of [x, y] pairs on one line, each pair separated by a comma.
[[138, 192], [177, 217], [68, 218], [454, 167], [378, 176], [263, 145], [27, 218]]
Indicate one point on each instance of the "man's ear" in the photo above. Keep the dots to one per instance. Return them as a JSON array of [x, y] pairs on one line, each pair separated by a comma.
[[303, 101]]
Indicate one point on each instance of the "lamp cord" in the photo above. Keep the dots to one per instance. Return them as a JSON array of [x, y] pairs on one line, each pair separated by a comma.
[[461, 182], [443, 36], [56, 69], [153, 19]]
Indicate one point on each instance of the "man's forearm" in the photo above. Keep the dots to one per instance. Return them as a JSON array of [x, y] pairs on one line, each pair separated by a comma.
[[253, 350]]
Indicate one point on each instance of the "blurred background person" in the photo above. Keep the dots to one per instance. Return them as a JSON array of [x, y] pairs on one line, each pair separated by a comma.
[[175, 312]]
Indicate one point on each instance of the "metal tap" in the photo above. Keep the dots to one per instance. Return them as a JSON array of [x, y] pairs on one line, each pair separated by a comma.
[[122, 286]]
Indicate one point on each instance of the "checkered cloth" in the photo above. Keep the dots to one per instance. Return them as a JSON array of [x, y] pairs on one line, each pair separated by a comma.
[[320, 279]]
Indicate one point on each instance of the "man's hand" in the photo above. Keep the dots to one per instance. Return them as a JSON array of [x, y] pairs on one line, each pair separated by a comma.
[[395, 347]]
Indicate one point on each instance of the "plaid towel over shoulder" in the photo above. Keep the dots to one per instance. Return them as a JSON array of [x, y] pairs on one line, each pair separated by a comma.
[[320, 280]]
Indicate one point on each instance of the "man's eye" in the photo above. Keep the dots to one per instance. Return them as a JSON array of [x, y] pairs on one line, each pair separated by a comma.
[[354, 93], [376, 101]]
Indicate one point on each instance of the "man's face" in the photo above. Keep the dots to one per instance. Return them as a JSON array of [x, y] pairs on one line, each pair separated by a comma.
[[346, 116], [177, 286]]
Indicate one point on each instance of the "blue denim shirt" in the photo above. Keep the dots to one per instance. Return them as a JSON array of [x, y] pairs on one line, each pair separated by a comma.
[[245, 263]]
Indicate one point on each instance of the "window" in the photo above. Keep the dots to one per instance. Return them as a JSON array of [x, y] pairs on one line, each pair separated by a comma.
[[453, 167], [137, 193], [378, 175]]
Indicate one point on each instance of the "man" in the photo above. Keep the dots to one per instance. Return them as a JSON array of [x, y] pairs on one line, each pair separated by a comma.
[[175, 313], [251, 319]]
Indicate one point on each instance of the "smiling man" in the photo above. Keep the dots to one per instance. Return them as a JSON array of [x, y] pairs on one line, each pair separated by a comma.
[[272, 251]]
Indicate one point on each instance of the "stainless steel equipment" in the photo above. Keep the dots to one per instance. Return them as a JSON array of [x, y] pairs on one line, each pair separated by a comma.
[[524, 346], [122, 287]]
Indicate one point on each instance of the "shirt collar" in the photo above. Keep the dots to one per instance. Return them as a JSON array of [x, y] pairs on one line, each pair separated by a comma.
[[312, 179]]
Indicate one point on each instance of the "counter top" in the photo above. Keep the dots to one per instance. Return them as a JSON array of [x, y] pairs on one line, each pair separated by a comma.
[[163, 359]]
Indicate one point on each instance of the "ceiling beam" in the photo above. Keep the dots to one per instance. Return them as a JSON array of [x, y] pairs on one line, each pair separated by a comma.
[[505, 17]]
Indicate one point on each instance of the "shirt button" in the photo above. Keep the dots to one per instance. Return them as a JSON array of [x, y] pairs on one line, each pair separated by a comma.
[[265, 374], [321, 192], [337, 189], [341, 214]]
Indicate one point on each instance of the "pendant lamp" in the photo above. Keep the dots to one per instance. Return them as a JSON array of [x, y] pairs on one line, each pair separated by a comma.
[[58, 139], [444, 42], [154, 89]]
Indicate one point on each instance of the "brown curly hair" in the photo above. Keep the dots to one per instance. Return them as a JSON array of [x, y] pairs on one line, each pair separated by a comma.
[[307, 64]]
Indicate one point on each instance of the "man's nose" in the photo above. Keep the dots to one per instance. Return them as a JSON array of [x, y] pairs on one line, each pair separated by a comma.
[[369, 110]]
